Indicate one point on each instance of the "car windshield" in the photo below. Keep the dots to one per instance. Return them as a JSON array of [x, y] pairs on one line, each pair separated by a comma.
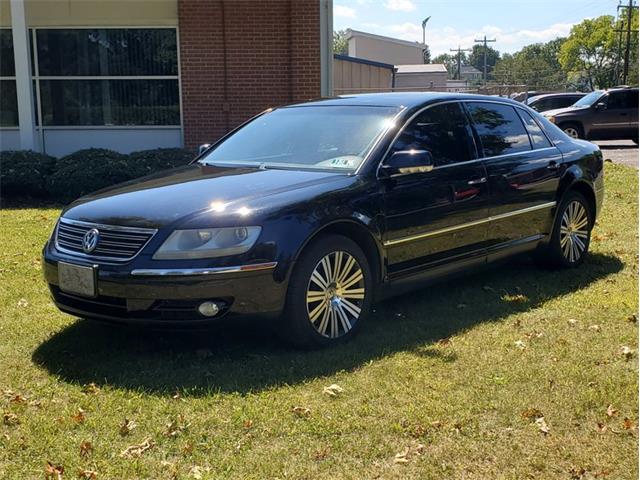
[[319, 137], [588, 100]]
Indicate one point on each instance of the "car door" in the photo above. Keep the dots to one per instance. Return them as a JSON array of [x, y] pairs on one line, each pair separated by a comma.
[[437, 216], [614, 120], [523, 169]]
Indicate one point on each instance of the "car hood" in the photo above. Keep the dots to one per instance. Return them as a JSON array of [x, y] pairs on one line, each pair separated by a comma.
[[167, 197], [560, 111]]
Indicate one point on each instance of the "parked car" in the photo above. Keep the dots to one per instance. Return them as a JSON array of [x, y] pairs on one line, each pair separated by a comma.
[[523, 96], [553, 101], [309, 213], [601, 115]]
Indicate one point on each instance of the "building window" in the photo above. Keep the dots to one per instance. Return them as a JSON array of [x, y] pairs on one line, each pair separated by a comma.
[[8, 98], [108, 77]]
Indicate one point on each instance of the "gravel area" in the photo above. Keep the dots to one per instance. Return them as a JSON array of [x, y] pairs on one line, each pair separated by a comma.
[[620, 151]]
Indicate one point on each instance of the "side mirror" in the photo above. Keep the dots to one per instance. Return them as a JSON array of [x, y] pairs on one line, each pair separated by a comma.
[[404, 162], [601, 106], [202, 148]]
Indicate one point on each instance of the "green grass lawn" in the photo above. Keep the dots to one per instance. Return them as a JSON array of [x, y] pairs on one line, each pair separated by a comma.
[[448, 382]]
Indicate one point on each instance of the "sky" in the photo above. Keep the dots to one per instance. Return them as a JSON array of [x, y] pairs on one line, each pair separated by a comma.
[[513, 23]]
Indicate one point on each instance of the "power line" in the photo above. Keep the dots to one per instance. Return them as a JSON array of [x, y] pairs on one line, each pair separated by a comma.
[[484, 41]]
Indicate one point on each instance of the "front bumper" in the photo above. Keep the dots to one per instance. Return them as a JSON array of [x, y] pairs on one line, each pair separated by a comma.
[[152, 296]]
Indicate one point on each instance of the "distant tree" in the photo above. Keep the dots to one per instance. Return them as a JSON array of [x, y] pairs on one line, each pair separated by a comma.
[[426, 54], [476, 58], [450, 61], [590, 52], [536, 66], [340, 43]]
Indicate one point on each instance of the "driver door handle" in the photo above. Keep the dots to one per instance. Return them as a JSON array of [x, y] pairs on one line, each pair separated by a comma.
[[477, 181]]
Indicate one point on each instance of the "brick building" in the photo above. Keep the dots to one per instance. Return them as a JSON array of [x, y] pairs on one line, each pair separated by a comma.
[[136, 74]]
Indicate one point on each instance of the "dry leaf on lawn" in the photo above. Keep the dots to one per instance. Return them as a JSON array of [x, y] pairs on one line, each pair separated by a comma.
[[301, 411], [85, 449], [175, 427], [626, 352], [10, 419], [530, 413], [127, 426], [402, 457], [520, 344], [87, 474], [90, 388], [79, 416], [23, 302], [628, 424], [134, 451], [601, 427], [542, 425], [333, 390], [53, 472], [611, 411]]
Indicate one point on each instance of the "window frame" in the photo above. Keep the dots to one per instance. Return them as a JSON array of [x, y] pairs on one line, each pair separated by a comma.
[[10, 79], [520, 111], [36, 77]]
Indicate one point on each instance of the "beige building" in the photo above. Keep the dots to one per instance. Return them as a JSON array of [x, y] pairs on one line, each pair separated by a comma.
[[432, 76], [357, 75], [384, 49]]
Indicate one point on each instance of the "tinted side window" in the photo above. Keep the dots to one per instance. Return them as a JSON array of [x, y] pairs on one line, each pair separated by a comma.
[[443, 130], [617, 100], [633, 99], [538, 140], [500, 129]]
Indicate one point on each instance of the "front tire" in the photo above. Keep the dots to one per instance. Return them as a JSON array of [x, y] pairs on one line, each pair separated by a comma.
[[569, 241], [573, 130], [330, 294]]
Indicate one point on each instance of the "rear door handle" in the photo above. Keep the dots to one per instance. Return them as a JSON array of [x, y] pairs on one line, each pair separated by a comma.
[[477, 181], [553, 166]]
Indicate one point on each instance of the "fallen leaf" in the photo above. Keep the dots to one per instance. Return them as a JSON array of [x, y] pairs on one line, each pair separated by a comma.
[[53, 471], [134, 451], [520, 344], [532, 413], [196, 471], [445, 342], [86, 448], [518, 298], [9, 418], [577, 473], [79, 416], [247, 424], [301, 411], [601, 427], [90, 388], [572, 321], [534, 334], [17, 398], [542, 425], [632, 318], [87, 474], [402, 457], [321, 454], [175, 427], [594, 328], [127, 426], [333, 390], [23, 303], [628, 424], [626, 352], [611, 411]]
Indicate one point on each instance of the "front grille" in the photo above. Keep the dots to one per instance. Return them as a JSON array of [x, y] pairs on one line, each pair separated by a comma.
[[114, 243]]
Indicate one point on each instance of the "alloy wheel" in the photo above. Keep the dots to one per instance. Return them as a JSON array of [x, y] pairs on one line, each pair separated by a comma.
[[572, 132], [574, 231], [335, 294]]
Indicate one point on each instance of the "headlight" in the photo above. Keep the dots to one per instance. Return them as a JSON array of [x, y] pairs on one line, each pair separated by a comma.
[[207, 243]]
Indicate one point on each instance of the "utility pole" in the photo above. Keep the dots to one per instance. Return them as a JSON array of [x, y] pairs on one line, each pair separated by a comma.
[[630, 6], [424, 39], [459, 50], [485, 41]]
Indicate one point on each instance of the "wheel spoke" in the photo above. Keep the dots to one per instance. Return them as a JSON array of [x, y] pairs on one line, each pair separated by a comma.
[[355, 278], [346, 270], [564, 240], [315, 313], [580, 246], [322, 328], [334, 323], [315, 296], [582, 223], [356, 293], [351, 308], [344, 319], [581, 233], [326, 264], [319, 280]]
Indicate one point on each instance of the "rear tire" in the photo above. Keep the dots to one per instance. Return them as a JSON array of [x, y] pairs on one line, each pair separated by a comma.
[[330, 294], [573, 130], [569, 240]]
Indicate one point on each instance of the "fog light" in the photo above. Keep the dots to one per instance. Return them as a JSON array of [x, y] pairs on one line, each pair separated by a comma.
[[208, 309]]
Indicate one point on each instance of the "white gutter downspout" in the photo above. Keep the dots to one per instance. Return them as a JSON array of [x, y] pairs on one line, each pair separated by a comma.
[[24, 84], [326, 48]]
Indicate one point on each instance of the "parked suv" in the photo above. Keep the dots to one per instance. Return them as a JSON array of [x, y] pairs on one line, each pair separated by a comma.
[[601, 115], [553, 101]]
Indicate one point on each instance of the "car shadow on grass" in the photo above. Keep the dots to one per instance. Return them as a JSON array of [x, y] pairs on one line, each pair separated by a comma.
[[245, 356]]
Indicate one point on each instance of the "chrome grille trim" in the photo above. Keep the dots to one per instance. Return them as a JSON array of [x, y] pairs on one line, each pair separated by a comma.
[[116, 244]]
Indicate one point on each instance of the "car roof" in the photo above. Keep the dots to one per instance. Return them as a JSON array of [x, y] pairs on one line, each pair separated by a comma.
[[559, 94], [399, 99]]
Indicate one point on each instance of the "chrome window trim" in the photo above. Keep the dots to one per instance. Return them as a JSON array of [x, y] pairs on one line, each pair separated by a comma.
[[149, 231], [186, 272], [462, 226]]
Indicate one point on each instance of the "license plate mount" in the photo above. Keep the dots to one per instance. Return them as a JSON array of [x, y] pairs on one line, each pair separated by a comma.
[[77, 279]]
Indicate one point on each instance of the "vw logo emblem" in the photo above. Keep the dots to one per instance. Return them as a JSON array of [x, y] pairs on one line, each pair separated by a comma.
[[90, 240]]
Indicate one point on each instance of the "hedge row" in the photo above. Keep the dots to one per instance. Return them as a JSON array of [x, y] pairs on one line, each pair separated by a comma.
[[32, 174]]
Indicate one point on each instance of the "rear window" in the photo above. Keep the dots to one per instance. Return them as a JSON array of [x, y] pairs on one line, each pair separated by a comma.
[[499, 127], [538, 140]]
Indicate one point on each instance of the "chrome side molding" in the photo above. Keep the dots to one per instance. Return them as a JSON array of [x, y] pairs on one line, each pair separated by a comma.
[[186, 272]]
